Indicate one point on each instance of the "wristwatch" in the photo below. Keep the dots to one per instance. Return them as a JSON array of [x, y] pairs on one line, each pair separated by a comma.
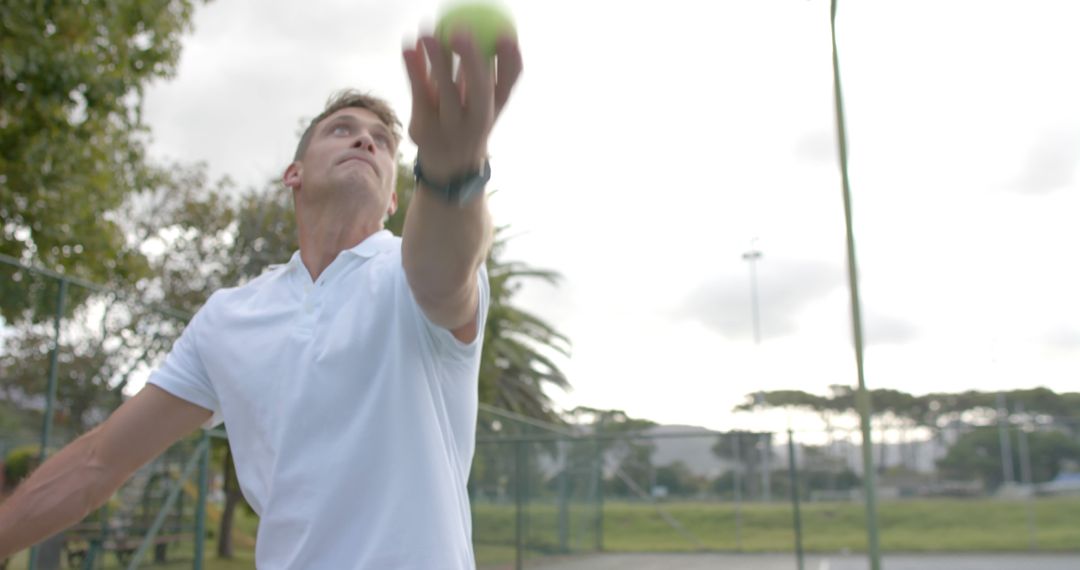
[[461, 191]]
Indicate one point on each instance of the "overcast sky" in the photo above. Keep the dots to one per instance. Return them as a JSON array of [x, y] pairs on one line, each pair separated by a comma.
[[647, 143]]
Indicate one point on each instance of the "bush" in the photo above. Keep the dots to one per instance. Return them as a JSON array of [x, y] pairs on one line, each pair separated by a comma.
[[19, 463]]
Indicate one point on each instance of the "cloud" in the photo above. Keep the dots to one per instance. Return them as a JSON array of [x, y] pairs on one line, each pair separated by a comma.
[[883, 329], [819, 146], [1063, 338], [784, 289], [1051, 164]]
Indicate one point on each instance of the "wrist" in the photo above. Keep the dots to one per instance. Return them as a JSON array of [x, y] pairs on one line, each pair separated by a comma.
[[439, 173], [459, 190]]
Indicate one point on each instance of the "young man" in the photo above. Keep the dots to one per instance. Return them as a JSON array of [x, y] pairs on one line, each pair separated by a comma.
[[346, 377]]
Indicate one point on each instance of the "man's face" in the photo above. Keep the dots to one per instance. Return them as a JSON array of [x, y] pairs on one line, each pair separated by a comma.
[[351, 156]]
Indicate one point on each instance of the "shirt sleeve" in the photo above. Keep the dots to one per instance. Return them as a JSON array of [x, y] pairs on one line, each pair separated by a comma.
[[183, 373], [443, 340]]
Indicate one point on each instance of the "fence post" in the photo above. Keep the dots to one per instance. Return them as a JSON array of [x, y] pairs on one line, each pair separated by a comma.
[[766, 454], [1003, 436], [598, 477], [564, 511], [170, 502], [50, 393], [737, 452], [1026, 478], [519, 505], [200, 507], [794, 473]]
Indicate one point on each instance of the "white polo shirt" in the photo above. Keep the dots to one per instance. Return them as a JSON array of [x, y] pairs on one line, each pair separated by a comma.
[[351, 416]]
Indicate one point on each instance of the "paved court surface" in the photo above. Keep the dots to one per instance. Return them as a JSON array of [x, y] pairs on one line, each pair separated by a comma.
[[812, 562]]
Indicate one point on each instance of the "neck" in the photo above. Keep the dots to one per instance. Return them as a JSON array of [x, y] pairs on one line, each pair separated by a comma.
[[326, 233]]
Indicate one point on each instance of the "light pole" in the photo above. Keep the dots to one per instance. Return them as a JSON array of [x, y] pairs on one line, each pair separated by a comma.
[[751, 258], [862, 396]]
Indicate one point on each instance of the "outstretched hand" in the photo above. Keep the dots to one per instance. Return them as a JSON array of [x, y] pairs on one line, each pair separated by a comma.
[[452, 117]]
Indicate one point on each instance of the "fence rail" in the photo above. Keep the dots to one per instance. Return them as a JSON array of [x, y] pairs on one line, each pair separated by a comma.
[[540, 490]]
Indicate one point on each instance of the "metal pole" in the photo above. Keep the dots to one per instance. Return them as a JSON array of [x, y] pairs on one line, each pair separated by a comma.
[[50, 392], [1025, 477], [200, 507], [564, 499], [751, 258], [1006, 441], [599, 496], [862, 398], [519, 506], [794, 474], [166, 507], [738, 490], [765, 441]]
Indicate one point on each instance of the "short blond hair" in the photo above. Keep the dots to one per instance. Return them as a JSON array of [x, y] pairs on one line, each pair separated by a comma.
[[352, 98]]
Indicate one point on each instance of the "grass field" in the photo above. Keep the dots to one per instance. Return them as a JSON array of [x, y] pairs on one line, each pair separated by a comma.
[[939, 525], [906, 526]]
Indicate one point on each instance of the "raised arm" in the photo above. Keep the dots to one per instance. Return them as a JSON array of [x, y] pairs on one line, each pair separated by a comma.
[[85, 473], [444, 243]]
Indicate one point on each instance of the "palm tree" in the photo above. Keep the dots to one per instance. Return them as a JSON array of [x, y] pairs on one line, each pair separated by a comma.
[[516, 363]]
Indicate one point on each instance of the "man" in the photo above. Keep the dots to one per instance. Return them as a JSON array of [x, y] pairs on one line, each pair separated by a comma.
[[347, 377]]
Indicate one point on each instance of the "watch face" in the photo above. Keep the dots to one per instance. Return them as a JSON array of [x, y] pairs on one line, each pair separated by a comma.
[[472, 188]]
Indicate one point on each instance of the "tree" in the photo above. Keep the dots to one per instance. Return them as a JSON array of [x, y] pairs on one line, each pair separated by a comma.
[[977, 455], [634, 473], [748, 450], [617, 440], [72, 140], [516, 364], [679, 480]]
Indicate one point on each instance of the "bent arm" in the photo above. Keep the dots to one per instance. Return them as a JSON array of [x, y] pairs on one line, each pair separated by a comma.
[[83, 475], [442, 248]]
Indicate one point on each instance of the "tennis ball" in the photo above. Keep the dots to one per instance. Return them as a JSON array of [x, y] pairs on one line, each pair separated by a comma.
[[487, 23]]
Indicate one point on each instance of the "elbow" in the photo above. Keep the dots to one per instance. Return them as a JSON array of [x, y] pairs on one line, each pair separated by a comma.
[[445, 296], [102, 478]]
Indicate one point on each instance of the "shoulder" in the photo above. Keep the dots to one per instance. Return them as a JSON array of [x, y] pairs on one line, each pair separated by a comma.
[[270, 282]]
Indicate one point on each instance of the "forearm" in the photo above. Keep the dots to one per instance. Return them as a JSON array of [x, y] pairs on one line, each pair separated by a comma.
[[57, 495], [442, 247]]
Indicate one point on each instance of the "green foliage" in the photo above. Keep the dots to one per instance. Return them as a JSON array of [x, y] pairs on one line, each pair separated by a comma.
[[929, 410], [72, 140], [977, 455], [19, 462], [516, 363], [678, 480], [939, 525], [635, 474]]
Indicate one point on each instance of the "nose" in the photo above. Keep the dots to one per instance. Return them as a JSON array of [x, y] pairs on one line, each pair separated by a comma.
[[364, 141]]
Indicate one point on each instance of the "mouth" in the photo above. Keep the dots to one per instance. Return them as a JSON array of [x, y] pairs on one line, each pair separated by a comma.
[[358, 158]]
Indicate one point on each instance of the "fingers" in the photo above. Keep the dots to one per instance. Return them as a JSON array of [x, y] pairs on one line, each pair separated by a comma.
[[424, 97], [477, 72], [460, 82], [509, 66], [441, 65]]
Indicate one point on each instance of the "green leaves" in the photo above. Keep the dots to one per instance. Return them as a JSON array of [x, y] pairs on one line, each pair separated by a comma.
[[71, 134], [517, 362]]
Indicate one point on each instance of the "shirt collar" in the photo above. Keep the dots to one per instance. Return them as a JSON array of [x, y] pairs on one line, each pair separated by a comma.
[[382, 241]]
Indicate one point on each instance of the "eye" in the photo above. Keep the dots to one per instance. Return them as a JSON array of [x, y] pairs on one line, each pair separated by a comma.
[[382, 140], [341, 129]]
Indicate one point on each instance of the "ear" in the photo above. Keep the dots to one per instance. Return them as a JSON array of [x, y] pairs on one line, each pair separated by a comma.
[[292, 175]]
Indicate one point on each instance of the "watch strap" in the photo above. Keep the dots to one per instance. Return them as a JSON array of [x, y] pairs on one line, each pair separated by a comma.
[[460, 191]]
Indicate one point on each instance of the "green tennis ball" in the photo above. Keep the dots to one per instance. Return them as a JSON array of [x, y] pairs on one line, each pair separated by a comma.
[[486, 22]]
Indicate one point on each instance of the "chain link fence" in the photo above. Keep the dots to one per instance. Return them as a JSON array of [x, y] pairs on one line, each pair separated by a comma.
[[540, 492]]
